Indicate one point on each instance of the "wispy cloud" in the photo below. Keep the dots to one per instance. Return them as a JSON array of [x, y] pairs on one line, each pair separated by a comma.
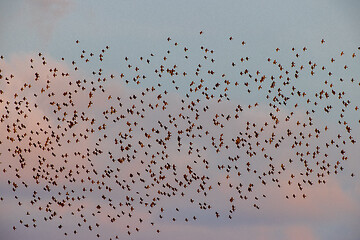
[[45, 14]]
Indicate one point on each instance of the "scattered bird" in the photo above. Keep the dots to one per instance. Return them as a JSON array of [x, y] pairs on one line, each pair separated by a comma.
[[122, 151]]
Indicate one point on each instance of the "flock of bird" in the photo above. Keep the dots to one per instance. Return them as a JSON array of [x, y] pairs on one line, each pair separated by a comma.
[[169, 133]]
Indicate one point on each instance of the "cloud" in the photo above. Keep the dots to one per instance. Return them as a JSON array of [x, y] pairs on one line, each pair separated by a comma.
[[45, 14], [299, 233]]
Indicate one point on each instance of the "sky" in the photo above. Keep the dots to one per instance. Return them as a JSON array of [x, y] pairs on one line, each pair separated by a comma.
[[259, 30]]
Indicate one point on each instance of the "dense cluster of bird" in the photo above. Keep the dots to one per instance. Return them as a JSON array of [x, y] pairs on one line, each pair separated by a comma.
[[168, 133]]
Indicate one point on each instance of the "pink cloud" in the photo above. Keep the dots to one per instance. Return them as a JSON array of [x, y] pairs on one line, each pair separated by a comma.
[[299, 233], [45, 14]]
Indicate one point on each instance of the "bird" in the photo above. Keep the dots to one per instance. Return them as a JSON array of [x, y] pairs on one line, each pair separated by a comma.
[[173, 137]]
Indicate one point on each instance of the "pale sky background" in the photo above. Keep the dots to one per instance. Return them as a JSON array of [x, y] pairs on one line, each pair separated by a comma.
[[135, 28]]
